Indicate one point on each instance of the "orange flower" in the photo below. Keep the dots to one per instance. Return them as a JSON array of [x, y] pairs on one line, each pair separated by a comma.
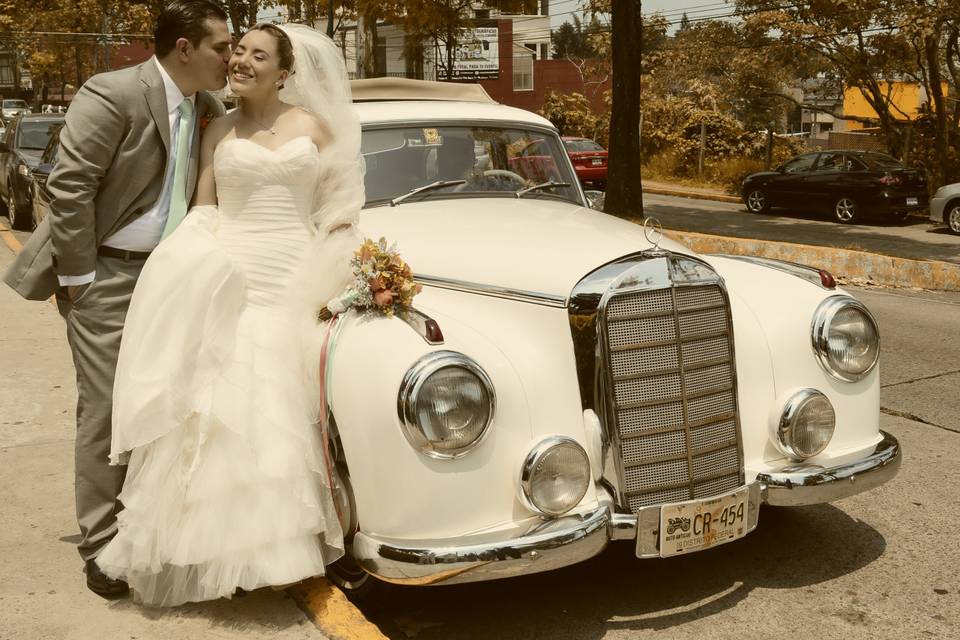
[[383, 298]]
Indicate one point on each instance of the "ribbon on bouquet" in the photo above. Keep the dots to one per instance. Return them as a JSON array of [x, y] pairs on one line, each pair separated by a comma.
[[330, 336]]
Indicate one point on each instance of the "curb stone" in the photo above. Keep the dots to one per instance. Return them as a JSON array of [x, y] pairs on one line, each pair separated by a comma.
[[851, 266]]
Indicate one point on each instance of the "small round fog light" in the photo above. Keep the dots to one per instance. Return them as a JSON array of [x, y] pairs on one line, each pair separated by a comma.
[[555, 475], [806, 424]]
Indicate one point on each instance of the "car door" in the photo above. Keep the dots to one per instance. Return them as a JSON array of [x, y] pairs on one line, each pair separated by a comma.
[[821, 182], [5, 157], [784, 188]]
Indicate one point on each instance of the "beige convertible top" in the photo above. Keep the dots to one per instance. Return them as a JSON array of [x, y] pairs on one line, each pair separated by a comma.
[[387, 89]]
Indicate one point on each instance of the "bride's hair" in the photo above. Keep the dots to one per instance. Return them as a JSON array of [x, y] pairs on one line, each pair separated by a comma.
[[284, 45]]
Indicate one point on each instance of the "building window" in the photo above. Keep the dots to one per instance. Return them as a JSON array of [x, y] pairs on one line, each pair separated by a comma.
[[544, 50], [523, 73], [533, 48], [482, 14]]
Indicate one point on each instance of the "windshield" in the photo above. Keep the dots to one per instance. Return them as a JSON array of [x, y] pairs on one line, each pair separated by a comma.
[[582, 145], [494, 162], [35, 134], [14, 104]]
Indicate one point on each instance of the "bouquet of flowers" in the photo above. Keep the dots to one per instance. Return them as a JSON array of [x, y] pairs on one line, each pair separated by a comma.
[[382, 282]]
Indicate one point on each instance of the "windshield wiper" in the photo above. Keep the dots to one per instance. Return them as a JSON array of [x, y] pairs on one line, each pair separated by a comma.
[[430, 187], [538, 187]]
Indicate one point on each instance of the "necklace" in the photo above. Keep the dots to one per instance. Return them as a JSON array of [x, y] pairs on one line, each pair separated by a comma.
[[268, 128]]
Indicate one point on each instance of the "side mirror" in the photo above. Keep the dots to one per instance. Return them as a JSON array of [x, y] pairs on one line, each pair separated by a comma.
[[4, 148], [595, 199]]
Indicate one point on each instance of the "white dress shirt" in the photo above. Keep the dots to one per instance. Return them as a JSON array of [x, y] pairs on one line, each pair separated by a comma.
[[143, 234]]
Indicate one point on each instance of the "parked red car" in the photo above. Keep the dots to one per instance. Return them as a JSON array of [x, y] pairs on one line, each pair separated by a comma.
[[589, 160]]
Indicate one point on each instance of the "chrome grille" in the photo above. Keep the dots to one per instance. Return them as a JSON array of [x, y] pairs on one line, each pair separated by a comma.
[[670, 358]]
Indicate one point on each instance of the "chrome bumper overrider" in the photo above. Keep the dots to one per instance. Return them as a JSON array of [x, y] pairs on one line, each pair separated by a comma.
[[551, 544]]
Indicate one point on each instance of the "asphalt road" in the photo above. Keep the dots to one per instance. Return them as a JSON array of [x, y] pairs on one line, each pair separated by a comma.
[[916, 239], [878, 565]]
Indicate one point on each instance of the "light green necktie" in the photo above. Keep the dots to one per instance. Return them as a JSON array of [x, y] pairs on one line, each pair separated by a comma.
[[178, 194]]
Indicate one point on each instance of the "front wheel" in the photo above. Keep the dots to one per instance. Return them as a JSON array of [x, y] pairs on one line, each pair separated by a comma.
[[757, 201], [845, 210], [346, 573], [953, 218]]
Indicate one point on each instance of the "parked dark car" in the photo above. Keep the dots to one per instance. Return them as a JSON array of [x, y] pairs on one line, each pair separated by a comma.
[[40, 196], [850, 185], [20, 151], [589, 160]]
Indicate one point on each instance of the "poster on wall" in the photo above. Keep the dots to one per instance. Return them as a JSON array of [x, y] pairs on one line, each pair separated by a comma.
[[476, 56]]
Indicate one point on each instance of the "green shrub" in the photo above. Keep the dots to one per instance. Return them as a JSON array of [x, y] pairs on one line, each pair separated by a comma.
[[729, 174]]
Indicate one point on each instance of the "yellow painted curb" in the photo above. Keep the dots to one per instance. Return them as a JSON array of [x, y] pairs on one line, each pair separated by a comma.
[[855, 267], [9, 239], [679, 193], [332, 612]]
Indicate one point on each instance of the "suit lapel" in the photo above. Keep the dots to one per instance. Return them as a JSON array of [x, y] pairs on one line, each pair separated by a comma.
[[156, 98]]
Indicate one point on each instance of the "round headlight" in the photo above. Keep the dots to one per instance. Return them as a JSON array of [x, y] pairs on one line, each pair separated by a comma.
[[555, 475], [446, 403], [806, 424], [845, 338]]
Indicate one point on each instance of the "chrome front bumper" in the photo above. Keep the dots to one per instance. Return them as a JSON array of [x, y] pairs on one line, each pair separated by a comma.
[[555, 543]]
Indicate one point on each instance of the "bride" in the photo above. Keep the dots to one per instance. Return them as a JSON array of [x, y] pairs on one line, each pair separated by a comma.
[[217, 389]]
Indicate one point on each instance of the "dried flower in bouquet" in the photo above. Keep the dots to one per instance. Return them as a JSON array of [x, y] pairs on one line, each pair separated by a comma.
[[382, 282]]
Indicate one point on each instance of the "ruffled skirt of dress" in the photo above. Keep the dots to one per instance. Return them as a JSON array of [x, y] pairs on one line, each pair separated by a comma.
[[215, 405]]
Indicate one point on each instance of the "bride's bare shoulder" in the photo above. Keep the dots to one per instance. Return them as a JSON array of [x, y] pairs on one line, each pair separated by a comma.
[[315, 125], [217, 129]]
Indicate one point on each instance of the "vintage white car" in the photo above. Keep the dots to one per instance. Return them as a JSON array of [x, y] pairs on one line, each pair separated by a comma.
[[568, 378]]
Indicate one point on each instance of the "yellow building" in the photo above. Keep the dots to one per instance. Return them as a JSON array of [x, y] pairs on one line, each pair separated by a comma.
[[906, 98]]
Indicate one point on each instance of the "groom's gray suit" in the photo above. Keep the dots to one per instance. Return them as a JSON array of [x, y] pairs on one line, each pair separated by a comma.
[[113, 157]]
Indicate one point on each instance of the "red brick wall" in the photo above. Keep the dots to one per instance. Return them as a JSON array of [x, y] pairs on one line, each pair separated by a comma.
[[130, 54], [548, 75]]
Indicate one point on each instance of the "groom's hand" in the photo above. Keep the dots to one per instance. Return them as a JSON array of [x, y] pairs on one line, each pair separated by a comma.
[[74, 292]]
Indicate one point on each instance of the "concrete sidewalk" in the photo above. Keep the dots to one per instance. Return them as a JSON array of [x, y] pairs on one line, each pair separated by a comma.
[[42, 590]]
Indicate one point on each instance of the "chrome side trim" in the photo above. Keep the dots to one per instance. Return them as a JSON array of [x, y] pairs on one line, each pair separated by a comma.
[[411, 387], [519, 295], [425, 326], [798, 485], [802, 271]]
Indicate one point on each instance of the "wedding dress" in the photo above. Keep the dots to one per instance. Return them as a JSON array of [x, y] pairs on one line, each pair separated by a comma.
[[217, 392]]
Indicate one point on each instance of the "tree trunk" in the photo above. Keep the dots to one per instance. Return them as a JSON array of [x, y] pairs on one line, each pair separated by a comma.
[[624, 190]]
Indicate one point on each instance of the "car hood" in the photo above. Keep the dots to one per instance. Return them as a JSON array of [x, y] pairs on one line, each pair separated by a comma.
[[542, 246]]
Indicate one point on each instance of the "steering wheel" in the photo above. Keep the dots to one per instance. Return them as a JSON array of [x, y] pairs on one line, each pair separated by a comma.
[[498, 174]]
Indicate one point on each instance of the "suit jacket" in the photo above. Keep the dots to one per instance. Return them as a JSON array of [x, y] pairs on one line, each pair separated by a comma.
[[113, 152]]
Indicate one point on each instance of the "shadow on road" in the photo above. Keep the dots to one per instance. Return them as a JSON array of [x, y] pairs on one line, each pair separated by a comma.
[[791, 548]]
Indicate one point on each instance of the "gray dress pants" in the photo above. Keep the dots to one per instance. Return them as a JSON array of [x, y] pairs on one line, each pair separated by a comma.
[[94, 326]]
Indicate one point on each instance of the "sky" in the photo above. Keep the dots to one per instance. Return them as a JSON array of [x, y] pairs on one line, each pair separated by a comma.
[[561, 10]]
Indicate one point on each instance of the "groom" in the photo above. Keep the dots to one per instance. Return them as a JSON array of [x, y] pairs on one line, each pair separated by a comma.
[[126, 171]]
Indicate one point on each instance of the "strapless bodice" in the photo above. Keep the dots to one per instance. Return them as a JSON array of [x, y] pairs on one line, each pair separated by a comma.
[[265, 197]]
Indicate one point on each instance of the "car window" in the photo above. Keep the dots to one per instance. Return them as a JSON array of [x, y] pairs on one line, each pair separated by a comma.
[[799, 164], [494, 161], [882, 161], [583, 145], [831, 162], [853, 163], [35, 134], [14, 104]]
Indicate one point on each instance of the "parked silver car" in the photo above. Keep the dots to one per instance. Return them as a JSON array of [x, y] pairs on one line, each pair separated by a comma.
[[11, 108], [945, 207]]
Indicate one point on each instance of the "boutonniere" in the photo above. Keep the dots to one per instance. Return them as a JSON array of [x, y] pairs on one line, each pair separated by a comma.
[[205, 122]]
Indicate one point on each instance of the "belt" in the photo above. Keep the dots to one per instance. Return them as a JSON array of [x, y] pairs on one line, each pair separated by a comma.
[[122, 254]]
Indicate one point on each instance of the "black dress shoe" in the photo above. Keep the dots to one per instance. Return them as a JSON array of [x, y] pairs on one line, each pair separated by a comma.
[[103, 586]]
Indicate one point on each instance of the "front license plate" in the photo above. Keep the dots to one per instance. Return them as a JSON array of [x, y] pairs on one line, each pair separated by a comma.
[[597, 161], [912, 201], [701, 524]]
